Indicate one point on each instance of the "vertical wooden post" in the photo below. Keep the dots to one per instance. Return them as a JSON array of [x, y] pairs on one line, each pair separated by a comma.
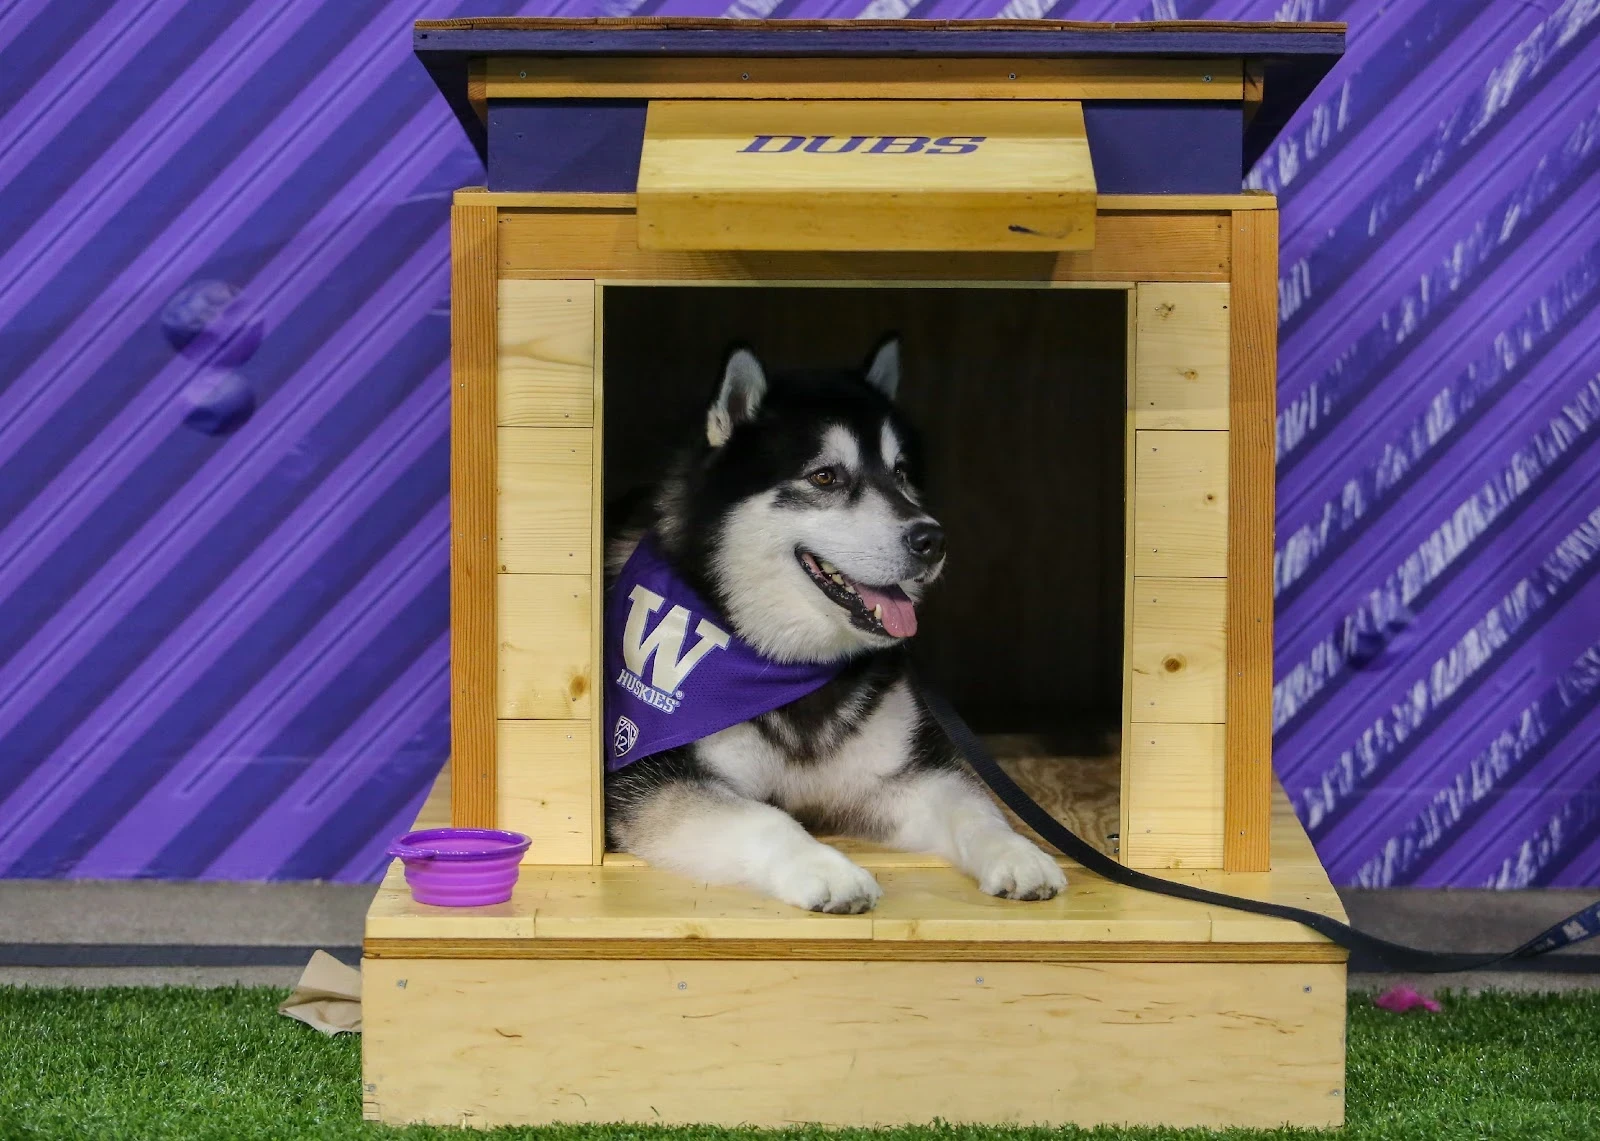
[[1252, 414], [473, 351]]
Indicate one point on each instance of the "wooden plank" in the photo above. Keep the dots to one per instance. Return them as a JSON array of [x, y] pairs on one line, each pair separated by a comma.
[[650, 903], [985, 175], [1252, 408], [546, 365], [546, 500], [1130, 453], [473, 258], [396, 917], [659, 908], [597, 562], [546, 782], [1123, 203], [1297, 877], [1181, 504], [755, 78], [937, 904], [1175, 803], [855, 1044], [1200, 202], [1181, 380], [849, 950], [546, 646], [605, 245], [1178, 652], [575, 200]]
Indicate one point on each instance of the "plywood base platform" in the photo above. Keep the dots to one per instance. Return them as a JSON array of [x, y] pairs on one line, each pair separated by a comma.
[[621, 993], [771, 1043]]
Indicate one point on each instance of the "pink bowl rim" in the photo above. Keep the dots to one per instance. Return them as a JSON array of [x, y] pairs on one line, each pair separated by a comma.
[[414, 845]]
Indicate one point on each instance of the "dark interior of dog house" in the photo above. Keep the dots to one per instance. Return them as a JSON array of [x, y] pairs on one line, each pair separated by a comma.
[[1020, 397]]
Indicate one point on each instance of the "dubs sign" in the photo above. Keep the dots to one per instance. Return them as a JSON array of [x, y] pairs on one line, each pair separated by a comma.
[[864, 144]]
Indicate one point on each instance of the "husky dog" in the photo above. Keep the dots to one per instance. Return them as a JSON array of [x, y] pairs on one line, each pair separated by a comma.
[[798, 516]]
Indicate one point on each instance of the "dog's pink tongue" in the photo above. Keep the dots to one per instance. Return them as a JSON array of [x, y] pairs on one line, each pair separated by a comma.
[[899, 614]]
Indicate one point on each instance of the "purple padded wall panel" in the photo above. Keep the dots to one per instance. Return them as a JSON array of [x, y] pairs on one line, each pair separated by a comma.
[[1150, 147], [569, 144], [1156, 147], [222, 530]]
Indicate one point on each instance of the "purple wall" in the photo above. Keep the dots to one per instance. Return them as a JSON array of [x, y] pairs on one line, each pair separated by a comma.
[[223, 553]]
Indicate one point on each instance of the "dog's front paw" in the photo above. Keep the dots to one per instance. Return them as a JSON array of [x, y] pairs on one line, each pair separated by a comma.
[[824, 880], [1013, 868]]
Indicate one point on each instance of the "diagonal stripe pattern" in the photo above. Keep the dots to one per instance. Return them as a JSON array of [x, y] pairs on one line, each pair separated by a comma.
[[224, 430]]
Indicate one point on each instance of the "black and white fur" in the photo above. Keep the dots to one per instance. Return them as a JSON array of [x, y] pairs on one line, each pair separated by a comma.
[[817, 464]]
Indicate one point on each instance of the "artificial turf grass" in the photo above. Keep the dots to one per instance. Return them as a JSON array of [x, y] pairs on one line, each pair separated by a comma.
[[171, 1063]]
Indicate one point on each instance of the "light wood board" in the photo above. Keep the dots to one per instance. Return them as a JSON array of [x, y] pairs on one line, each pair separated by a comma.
[[865, 175], [1181, 378], [473, 234], [486, 1043], [754, 77], [546, 785], [1180, 504], [546, 500], [1177, 654], [546, 362], [1175, 816], [604, 245], [545, 655], [1252, 416], [612, 906]]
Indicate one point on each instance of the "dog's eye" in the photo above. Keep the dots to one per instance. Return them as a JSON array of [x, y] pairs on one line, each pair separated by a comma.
[[824, 477], [901, 472]]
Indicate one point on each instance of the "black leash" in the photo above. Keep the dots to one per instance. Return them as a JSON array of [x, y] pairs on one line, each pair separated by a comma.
[[1576, 928]]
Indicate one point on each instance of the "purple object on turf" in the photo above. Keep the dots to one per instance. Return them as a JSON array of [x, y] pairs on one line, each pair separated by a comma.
[[461, 867]]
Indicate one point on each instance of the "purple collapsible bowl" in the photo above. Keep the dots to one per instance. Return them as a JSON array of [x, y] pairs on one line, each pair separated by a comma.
[[461, 867]]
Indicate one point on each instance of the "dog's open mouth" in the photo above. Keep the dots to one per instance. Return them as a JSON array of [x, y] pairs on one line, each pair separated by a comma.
[[878, 609]]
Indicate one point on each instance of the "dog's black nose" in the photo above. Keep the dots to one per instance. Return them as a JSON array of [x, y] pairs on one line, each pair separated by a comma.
[[926, 541]]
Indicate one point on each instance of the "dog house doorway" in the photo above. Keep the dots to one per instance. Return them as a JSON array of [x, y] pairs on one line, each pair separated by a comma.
[[1020, 395]]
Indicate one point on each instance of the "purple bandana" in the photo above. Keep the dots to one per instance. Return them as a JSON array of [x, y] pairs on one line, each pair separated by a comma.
[[673, 674]]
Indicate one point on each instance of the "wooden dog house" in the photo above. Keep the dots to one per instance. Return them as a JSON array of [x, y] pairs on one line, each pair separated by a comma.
[[1050, 213]]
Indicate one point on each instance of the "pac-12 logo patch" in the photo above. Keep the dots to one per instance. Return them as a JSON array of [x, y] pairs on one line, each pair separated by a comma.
[[624, 737]]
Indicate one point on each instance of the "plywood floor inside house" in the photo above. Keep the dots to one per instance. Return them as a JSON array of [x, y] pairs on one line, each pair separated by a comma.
[[624, 909]]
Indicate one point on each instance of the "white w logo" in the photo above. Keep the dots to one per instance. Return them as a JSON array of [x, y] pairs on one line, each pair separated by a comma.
[[665, 642]]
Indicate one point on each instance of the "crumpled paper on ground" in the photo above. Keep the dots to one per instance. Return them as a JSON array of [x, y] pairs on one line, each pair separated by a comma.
[[328, 996]]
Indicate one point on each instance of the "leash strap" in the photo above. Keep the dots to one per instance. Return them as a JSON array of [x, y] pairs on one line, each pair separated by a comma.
[[1576, 928]]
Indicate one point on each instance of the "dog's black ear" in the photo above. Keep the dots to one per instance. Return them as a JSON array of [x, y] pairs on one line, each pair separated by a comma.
[[883, 367], [744, 384]]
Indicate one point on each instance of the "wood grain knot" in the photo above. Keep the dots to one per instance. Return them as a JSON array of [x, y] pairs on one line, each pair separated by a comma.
[[1165, 309], [578, 686], [1172, 663]]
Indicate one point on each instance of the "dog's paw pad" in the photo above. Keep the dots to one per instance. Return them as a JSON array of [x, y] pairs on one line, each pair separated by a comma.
[[826, 881], [1018, 870]]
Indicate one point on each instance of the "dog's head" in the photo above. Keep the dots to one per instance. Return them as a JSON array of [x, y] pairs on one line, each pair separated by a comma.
[[802, 511]]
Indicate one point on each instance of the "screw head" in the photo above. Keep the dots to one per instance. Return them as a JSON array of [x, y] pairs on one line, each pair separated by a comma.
[[683, 986], [978, 980], [524, 75], [1205, 79]]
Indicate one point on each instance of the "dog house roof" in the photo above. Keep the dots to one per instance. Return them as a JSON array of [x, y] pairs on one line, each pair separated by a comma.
[[1290, 58]]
